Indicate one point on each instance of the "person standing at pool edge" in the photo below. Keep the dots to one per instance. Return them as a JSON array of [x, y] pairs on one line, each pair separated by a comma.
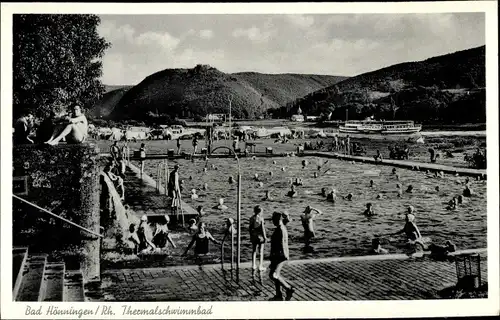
[[279, 256], [257, 236], [178, 146], [174, 188], [195, 145]]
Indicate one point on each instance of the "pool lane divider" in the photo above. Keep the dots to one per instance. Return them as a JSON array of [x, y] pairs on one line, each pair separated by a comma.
[[380, 257], [188, 210], [400, 163]]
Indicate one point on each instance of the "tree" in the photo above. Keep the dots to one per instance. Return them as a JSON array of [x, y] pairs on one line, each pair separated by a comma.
[[56, 61]]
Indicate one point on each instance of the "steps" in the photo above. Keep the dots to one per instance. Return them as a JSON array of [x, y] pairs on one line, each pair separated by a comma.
[[19, 257], [32, 275], [36, 279], [73, 286], [52, 282]]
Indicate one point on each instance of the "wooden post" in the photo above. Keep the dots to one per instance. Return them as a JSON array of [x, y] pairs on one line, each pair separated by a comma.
[[238, 210], [157, 179], [166, 176], [232, 249]]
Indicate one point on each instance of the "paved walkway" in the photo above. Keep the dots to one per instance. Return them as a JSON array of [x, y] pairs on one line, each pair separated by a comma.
[[402, 163], [335, 279]]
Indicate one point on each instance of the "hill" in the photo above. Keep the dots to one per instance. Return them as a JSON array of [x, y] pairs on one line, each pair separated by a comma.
[[195, 92], [284, 88], [112, 87], [432, 90], [108, 101]]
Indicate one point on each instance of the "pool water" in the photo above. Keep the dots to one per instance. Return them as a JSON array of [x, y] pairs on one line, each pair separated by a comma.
[[342, 229]]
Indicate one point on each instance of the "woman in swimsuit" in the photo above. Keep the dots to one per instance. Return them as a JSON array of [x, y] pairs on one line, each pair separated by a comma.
[[257, 236], [202, 239]]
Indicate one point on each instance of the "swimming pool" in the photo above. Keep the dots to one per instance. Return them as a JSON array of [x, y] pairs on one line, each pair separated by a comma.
[[342, 230]]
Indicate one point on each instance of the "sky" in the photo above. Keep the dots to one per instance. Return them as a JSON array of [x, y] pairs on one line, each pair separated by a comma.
[[330, 44]]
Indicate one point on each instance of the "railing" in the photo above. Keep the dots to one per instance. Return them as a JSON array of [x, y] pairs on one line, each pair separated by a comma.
[[58, 217]]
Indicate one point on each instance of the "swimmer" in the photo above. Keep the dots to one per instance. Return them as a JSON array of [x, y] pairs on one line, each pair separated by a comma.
[[308, 223], [467, 191], [274, 161], [380, 196], [261, 184], [348, 197], [460, 199], [298, 182], [221, 205], [452, 204], [213, 166], [377, 247], [397, 176], [256, 177], [400, 193], [270, 173], [410, 229], [369, 210], [304, 164], [192, 225], [253, 158], [371, 183], [268, 196], [200, 211], [441, 251], [292, 193], [283, 169], [398, 186], [393, 170], [436, 188], [410, 210], [467, 181], [194, 196], [331, 196], [409, 189], [190, 177], [231, 179], [205, 169], [315, 174], [323, 192]]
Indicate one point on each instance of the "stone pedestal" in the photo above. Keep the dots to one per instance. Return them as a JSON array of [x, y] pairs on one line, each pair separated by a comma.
[[64, 179]]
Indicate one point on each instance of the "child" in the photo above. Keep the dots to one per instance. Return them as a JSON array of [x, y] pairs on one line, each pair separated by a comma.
[[369, 210], [161, 236], [377, 247], [194, 196], [221, 205], [292, 193]]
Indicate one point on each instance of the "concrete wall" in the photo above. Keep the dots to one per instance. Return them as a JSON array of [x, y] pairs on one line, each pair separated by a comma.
[[63, 179]]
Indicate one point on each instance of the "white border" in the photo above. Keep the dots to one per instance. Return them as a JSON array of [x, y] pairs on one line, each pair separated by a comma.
[[369, 309]]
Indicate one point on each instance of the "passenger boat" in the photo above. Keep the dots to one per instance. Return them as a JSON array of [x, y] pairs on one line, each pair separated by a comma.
[[380, 127]]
